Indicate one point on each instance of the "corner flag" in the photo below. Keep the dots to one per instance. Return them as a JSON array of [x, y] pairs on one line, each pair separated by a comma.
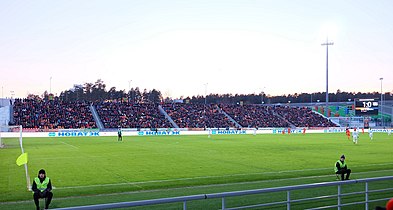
[[22, 159]]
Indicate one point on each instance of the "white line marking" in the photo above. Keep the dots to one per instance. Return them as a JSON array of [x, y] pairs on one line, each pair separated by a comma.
[[70, 145], [192, 187], [208, 177]]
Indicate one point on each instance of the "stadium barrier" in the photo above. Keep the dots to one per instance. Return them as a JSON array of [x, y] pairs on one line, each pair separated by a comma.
[[169, 132], [286, 189]]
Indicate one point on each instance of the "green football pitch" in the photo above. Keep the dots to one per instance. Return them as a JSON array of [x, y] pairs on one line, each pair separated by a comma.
[[95, 170]]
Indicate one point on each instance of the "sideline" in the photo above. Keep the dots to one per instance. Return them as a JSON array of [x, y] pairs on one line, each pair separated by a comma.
[[70, 145], [195, 187], [209, 177]]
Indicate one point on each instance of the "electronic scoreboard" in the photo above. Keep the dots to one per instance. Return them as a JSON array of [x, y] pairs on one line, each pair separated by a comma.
[[366, 106]]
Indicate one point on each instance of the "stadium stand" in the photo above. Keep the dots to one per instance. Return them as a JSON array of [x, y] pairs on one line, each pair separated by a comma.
[[254, 116], [57, 114], [198, 116], [52, 114], [127, 115], [303, 117]]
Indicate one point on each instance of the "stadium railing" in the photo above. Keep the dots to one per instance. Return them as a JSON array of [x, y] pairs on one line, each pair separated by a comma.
[[288, 202]]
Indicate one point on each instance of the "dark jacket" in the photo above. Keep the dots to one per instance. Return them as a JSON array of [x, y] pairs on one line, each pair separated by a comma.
[[338, 166], [48, 188]]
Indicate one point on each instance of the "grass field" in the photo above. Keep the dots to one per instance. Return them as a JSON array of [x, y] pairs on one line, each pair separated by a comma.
[[96, 170]]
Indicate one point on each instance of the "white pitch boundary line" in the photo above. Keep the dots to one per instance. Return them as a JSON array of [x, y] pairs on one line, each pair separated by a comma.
[[175, 188], [183, 179], [208, 177], [192, 187], [70, 145]]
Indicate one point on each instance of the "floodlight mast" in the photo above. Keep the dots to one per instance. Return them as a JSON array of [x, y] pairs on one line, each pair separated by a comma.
[[206, 92], [381, 102], [327, 43]]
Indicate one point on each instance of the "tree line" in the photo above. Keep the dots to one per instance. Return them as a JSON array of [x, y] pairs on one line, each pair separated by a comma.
[[339, 96], [97, 91]]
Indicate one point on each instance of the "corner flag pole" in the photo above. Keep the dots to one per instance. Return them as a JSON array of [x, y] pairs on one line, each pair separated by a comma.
[[26, 168]]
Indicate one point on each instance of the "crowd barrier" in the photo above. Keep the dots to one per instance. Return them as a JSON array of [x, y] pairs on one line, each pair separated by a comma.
[[173, 132]]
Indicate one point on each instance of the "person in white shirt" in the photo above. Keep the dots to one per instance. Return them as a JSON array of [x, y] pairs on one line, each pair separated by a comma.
[[370, 133], [355, 135]]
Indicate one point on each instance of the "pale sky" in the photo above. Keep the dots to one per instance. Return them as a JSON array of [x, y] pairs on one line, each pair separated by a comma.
[[177, 47]]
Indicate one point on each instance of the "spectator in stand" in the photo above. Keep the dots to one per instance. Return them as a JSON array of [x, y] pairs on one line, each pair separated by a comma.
[[52, 114], [115, 114], [303, 117], [56, 114], [254, 116], [198, 116]]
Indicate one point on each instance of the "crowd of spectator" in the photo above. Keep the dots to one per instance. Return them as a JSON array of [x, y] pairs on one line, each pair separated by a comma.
[[254, 116], [57, 114], [303, 117], [52, 114], [127, 115], [198, 116]]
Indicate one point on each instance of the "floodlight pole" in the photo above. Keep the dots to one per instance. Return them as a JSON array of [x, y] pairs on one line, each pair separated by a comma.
[[204, 107], [206, 92], [129, 90], [381, 102], [327, 43], [12, 94]]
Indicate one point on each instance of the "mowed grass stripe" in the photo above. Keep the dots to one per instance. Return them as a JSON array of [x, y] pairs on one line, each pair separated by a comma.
[[279, 182], [230, 175], [161, 193]]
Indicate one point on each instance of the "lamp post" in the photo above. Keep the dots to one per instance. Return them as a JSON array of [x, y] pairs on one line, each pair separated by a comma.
[[204, 107], [262, 93], [12, 94], [381, 102], [50, 85], [206, 92], [327, 43], [129, 90]]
